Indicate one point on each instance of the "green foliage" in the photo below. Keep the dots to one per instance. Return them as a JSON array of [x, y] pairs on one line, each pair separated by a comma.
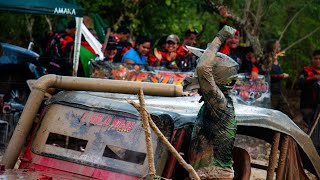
[[158, 18]]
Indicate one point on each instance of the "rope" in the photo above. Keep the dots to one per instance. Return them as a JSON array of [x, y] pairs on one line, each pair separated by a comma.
[[163, 139], [147, 132]]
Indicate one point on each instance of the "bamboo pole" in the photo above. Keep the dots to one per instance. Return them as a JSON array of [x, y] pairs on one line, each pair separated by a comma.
[[147, 132], [193, 174], [273, 156], [283, 158]]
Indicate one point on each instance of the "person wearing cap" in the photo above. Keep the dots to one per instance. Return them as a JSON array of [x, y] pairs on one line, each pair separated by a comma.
[[138, 54], [170, 58], [110, 51], [215, 128]]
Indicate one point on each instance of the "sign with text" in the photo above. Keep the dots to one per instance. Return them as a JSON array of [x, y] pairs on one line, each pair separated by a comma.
[[249, 92]]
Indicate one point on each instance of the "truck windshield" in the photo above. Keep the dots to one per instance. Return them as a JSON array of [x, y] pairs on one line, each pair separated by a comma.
[[101, 138]]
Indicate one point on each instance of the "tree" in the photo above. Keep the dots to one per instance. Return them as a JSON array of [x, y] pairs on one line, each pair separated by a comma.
[[294, 23]]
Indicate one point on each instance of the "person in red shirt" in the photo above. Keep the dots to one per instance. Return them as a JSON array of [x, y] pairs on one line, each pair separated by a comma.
[[309, 80], [188, 61], [175, 57], [59, 50], [121, 37], [168, 58]]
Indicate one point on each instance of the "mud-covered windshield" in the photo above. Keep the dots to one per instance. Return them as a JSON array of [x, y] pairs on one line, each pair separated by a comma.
[[110, 140]]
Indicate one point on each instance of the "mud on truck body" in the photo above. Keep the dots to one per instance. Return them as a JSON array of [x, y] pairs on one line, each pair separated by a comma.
[[99, 135]]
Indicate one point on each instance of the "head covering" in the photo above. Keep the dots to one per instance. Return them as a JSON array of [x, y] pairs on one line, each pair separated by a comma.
[[112, 44], [223, 72], [174, 38]]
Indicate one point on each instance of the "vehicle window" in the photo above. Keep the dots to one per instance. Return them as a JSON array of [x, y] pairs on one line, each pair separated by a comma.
[[67, 142], [103, 138], [124, 154]]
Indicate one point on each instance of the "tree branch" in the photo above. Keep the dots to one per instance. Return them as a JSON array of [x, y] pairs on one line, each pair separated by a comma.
[[291, 20], [49, 23], [258, 16], [303, 38]]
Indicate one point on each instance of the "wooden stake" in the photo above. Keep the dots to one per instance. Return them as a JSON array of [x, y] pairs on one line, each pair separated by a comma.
[[273, 156], [283, 158]]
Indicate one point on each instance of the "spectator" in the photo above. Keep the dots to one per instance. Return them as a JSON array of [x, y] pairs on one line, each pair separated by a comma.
[[190, 38], [161, 44], [188, 60], [231, 48], [250, 64], [110, 51], [137, 55], [271, 68], [175, 56], [123, 45], [87, 21], [309, 80], [60, 50], [169, 57]]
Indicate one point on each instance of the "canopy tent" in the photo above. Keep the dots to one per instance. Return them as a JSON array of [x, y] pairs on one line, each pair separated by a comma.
[[49, 7]]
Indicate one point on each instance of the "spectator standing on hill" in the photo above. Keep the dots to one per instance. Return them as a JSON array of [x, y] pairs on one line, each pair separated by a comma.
[[309, 80], [271, 68], [138, 54]]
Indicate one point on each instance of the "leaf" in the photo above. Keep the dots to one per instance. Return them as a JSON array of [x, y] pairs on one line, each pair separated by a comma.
[[168, 2]]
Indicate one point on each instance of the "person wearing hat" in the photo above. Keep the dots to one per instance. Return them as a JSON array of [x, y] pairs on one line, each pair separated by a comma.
[[215, 128], [172, 44], [169, 58], [110, 51]]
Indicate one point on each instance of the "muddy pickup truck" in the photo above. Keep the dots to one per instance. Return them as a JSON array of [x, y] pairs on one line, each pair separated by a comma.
[[90, 131]]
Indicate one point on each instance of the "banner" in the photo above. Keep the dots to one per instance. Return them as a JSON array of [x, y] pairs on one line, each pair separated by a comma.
[[244, 91], [249, 92], [140, 73]]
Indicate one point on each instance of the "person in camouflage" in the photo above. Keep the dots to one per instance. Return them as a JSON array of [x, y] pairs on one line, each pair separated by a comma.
[[215, 129]]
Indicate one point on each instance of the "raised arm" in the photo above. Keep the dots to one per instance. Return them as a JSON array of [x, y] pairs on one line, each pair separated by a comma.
[[208, 87]]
